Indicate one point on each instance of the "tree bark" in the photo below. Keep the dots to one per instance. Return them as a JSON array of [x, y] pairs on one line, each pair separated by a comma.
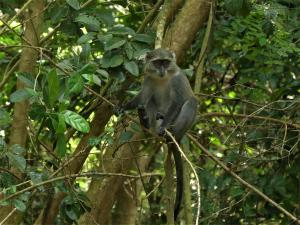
[[33, 18], [187, 23], [103, 193]]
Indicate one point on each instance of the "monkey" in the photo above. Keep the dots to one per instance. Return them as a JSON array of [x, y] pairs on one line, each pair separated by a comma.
[[166, 101]]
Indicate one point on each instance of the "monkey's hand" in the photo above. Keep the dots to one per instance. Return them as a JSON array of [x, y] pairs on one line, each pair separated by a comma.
[[118, 110], [159, 116], [161, 131]]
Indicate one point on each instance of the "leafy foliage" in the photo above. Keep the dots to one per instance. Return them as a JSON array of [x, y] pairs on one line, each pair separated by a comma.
[[252, 68]]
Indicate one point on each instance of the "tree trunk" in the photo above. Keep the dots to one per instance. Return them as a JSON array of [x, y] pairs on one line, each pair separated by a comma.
[[33, 18], [103, 193], [187, 23]]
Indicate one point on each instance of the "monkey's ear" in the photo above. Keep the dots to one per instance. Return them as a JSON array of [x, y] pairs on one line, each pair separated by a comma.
[[147, 56]]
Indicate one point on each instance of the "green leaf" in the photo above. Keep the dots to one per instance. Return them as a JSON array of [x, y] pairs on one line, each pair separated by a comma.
[[17, 161], [53, 86], [238, 7], [132, 68], [116, 60], [4, 118], [114, 43], [92, 78], [76, 121], [75, 83], [17, 149], [74, 4], [129, 50], [20, 205], [110, 60], [26, 78], [22, 95], [94, 141], [118, 30], [89, 21], [88, 68], [61, 145], [103, 73], [86, 38], [61, 126], [144, 38], [35, 177], [125, 136]]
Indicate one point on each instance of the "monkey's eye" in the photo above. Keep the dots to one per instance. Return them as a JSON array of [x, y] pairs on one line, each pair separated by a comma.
[[161, 63]]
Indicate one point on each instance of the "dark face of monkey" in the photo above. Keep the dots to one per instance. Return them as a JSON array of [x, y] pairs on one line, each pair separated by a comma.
[[160, 63]]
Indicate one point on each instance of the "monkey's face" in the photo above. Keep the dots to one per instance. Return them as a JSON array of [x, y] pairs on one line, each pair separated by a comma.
[[160, 63]]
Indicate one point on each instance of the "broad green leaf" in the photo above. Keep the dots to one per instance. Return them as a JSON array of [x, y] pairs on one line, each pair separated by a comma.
[[53, 86], [114, 43], [35, 177], [74, 4], [129, 50], [17, 149], [94, 141], [116, 60], [132, 68], [88, 68], [125, 136], [61, 145], [118, 30], [4, 118], [92, 78], [20, 205], [110, 60], [61, 126], [103, 73], [144, 38], [76, 121], [89, 21], [17, 161], [26, 78], [106, 16], [86, 38], [22, 95], [75, 83]]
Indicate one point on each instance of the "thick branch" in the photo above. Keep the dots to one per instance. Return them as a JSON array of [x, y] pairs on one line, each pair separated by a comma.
[[185, 27]]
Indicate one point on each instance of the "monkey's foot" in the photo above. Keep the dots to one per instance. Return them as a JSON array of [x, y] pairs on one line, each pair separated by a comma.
[[162, 131]]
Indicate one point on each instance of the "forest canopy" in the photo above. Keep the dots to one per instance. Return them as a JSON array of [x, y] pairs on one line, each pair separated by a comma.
[[67, 158]]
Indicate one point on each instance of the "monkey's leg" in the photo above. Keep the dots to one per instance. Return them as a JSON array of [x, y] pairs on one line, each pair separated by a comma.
[[134, 103], [144, 119], [185, 118], [168, 118]]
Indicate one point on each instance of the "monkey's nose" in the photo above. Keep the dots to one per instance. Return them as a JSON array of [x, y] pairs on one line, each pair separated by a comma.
[[161, 72]]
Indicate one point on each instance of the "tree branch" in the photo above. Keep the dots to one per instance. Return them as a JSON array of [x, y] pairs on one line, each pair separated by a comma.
[[243, 182]]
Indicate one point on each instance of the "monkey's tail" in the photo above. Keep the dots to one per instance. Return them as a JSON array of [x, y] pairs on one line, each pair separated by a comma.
[[179, 178]]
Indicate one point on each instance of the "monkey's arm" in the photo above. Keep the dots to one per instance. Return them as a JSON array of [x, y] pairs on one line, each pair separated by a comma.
[[133, 103]]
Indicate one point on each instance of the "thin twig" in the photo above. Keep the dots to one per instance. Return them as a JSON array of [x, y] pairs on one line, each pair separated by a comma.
[[243, 182], [219, 114], [17, 14], [7, 217], [149, 16], [203, 51], [71, 176]]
